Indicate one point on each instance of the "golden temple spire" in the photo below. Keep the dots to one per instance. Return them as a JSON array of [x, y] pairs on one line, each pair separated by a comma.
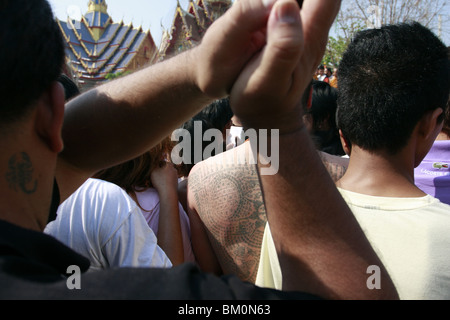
[[97, 6], [97, 18]]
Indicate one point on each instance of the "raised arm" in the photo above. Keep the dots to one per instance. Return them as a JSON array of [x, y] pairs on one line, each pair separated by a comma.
[[122, 119], [320, 246], [165, 181]]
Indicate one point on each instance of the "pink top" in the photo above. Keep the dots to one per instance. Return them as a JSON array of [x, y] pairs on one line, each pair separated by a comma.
[[149, 201]]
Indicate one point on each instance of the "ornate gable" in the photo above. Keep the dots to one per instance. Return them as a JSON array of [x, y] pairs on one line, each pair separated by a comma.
[[97, 47], [189, 26]]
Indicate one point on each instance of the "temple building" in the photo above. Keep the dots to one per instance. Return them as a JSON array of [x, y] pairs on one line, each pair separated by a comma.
[[190, 25], [98, 49]]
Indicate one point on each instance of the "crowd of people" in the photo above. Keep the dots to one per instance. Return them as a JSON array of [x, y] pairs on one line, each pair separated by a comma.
[[327, 74], [363, 178]]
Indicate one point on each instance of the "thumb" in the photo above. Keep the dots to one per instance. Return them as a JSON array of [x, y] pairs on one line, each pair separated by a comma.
[[284, 44], [241, 32]]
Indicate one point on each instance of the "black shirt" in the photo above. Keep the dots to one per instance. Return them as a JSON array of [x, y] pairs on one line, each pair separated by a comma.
[[34, 265]]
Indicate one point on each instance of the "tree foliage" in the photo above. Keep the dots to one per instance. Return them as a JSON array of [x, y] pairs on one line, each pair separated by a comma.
[[112, 76], [356, 15]]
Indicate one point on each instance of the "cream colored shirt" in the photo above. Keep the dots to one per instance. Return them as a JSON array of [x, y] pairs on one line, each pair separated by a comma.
[[410, 235], [412, 238], [269, 271]]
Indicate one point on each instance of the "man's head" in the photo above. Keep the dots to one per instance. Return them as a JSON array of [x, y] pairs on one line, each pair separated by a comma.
[[219, 113], [380, 102], [323, 107], [31, 109], [321, 70], [31, 57]]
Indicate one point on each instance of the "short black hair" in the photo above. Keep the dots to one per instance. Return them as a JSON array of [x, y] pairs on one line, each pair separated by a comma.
[[218, 113], [31, 55], [380, 102], [188, 163]]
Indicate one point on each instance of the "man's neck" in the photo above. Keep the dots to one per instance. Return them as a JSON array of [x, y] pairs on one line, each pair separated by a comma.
[[26, 186], [18, 215], [380, 174]]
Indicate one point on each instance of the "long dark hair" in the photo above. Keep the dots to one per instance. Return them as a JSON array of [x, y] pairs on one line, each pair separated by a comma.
[[135, 174]]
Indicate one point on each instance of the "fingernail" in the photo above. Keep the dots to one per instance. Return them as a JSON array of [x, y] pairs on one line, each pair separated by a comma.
[[287, 13]]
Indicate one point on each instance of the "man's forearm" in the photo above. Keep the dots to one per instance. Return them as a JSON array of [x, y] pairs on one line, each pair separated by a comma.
[[125, 118], [320, 245]]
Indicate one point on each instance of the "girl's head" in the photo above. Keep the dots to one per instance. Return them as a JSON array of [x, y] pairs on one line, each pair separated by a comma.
[[135, 174]]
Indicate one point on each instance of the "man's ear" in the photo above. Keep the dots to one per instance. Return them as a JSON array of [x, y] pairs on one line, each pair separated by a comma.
[[50, 116], [431, 124], [427, 130], [345, 144]]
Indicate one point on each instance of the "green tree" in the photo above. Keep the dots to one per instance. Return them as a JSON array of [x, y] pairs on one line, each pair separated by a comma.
[[356, 15], [432, 14], [334, 51], [112, 76], [342, 36]]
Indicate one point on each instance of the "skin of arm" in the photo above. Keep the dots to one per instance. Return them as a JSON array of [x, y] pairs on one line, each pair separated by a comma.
[[122, 119], [319, 240], [125, 118], [165, 181]]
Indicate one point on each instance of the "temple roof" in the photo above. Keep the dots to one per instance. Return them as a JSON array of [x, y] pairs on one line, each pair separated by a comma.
[[189, 26], [97, 14], [96, 19], [96, 46]]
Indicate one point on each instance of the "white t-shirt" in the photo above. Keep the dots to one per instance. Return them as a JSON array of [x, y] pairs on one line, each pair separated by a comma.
[[412, 238], [101, 222]]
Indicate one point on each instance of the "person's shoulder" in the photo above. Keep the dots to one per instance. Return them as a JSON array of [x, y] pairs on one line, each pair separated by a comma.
[[99, 198], [150, 193], [104, 189], [99, 184], [148, 199], [184, 282], [440, 207], [238, 158]]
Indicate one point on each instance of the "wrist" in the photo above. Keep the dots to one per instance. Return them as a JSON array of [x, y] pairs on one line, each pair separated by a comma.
[[204, 75], [167, 193]]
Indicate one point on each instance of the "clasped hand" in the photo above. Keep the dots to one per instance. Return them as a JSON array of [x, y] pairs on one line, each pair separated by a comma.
[[263, 54]]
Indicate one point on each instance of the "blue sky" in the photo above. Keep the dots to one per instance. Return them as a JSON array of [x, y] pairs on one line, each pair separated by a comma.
[[149, 14]]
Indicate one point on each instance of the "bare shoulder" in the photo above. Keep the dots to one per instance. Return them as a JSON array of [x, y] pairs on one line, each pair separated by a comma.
[[230, 171], [335, 165], [224, 179], [228, 198]]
